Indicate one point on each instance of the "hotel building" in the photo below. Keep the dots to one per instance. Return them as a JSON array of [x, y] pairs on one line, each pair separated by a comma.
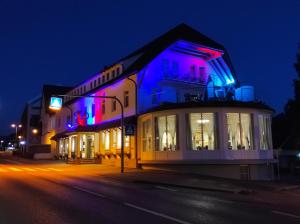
[[187, 108]]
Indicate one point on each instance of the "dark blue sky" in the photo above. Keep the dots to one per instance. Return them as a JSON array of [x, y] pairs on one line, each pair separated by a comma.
[[64, 42]]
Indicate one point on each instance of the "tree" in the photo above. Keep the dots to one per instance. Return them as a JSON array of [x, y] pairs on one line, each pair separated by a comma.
[[286, 126]]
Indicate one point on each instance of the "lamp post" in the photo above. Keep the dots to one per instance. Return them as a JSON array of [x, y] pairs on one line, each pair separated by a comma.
[[56, 104], [16, 126]]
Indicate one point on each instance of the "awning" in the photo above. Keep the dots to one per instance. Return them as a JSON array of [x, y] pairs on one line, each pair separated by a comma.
[[95, 128]]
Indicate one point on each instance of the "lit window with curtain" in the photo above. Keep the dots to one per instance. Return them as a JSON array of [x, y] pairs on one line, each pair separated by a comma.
[[147, 135], [239, 126], [165, 133], [264, 123], [202, 131]]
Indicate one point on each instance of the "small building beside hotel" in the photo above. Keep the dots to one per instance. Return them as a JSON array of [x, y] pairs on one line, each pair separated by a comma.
[[184, 109]]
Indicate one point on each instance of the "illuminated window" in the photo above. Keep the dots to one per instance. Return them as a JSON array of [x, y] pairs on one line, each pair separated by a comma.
[[202, 131], [175, 70], [147, 135], [264, 122], [93, 110], [165, 133], [116, 138], [113, 105], [165, 68], [103, 106], [126, 99], [239, 131]]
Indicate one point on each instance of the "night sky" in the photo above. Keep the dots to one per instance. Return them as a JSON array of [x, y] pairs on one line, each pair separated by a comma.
[[64, 42]]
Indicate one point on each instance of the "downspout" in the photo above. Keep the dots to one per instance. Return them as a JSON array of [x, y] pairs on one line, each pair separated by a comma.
[[136, 114]]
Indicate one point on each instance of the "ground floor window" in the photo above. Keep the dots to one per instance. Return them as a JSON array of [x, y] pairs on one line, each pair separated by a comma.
[[87, 148], [239, 126], [202, 131], [147, 135], [264, 122], [165, 133]]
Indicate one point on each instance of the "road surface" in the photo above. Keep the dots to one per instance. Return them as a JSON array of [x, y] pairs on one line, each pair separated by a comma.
[[34, 193]]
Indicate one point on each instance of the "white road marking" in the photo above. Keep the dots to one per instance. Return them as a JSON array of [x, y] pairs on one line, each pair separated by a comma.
[[3, 170], [286, 214], [89, 192], [14, 169], [54, 169], [29, 169], [165, 188], [157, 213], [41, 169]]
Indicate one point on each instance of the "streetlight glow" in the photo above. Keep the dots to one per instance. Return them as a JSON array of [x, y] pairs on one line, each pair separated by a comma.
[[13, 125], [35, 131]]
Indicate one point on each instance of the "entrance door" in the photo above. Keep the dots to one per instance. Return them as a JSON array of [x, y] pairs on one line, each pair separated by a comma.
[[89, 147]]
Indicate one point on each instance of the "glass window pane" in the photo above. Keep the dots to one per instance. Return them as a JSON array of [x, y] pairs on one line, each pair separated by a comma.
[[147, 137], [202, 131], [165, 133], [234, 131], [246, 132], [171, 132], [264, 132]]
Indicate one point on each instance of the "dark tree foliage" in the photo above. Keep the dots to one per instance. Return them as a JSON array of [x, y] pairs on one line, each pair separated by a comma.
[[286, 126]]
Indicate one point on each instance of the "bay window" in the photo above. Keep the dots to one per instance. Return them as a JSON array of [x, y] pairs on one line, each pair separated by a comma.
[[239, 126], [165, 133], [202, 131], [264, 123]]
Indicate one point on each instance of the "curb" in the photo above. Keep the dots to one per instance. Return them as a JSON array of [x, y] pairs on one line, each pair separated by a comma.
[[236, 191], [292, 187]]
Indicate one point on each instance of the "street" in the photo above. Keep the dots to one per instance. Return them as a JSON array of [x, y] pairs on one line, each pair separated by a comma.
[[51, 193]]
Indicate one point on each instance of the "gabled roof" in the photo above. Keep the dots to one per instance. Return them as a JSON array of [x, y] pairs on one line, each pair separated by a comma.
[[181, 32], [148, 52]]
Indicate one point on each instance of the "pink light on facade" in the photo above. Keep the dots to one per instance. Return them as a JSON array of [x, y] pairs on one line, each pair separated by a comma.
[[211, 52]]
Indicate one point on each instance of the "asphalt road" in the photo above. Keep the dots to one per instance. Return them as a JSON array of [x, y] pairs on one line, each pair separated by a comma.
[[30, 194]]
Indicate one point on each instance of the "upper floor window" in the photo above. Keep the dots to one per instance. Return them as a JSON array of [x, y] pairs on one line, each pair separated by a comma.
[[118, 70], [126, 99], [99, 81], [165, 133], [113, 73], [84, 88], [91, 85], [95, 83], [202, 131], [239, 126], [107, 76], [265, 139], [103, 106], [103, 78], [93, 110], [113, 105]]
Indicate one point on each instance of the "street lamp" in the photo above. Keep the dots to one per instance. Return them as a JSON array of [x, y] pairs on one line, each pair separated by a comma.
[[16, 126], [35, 131], [56, 105]]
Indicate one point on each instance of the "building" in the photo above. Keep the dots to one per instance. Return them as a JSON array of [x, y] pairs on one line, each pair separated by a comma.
[[181, 94], [48, 117], [31, 125]]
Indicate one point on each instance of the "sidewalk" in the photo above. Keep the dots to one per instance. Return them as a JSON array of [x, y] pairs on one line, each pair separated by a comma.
[[207, 183]]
